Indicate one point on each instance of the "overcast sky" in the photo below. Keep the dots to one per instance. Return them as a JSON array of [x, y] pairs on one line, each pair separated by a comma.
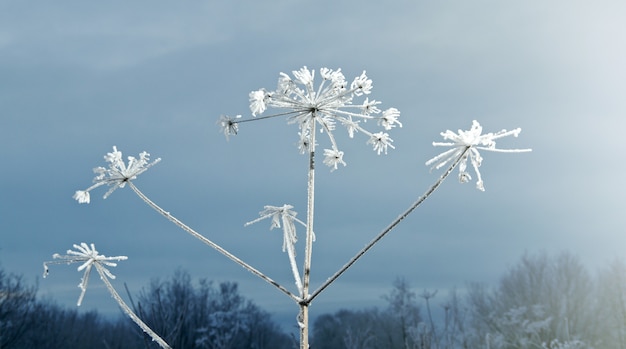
[[78, 77]]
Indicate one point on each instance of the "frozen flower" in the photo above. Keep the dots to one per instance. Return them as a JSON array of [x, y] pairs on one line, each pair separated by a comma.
[[467, 144], [380, 141], [257, 101], [304, 142], [82, 196], [304, 76], [390, 119], [89, 257], [370, 107], [228, 125], [330, 103], [351, 125], [362, 85], [333, 157], [117, 174]]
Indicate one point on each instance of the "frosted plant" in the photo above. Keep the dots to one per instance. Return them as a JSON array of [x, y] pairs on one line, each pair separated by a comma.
[[117, 174], [329, 104], [287, 216], [467, 144], [332, 102], [89, 257], [308, 106]]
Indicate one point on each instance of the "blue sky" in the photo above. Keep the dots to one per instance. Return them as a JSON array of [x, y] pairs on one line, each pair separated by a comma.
[[78, 77]]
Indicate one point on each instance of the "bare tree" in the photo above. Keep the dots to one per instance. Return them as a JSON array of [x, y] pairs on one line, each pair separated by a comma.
[[402, 304], [539, 300], [202, 315], [612, 305], [17, 301]]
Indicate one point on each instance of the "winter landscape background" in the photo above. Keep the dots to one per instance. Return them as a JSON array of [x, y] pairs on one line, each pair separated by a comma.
[[77, 78]]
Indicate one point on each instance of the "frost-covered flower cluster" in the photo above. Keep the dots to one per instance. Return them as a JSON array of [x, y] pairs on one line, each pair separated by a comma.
[[279, 214], [467, 144], [89, 257], [287, 216], [329, 104], [117, 173]]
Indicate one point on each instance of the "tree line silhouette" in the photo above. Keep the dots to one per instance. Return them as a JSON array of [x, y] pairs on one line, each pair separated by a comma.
[[543, 302]]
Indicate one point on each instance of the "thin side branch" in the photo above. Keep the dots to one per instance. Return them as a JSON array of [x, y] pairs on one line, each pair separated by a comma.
[[155, 337], [210, 243], [388, 229]]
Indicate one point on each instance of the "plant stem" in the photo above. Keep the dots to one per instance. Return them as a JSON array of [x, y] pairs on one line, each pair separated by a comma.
[[304, 306], [385, 231], [294, 266], [155, 337], [215, 246]]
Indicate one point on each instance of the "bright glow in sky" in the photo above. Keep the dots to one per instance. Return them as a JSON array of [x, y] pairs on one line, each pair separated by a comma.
[[79, 77]]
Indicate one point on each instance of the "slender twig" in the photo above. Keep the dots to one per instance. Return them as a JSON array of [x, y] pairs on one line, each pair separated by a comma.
[[210, 243], [155, 337], [387, 229]]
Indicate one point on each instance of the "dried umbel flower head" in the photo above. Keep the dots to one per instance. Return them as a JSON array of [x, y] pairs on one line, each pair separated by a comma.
[[467, 144], [332, 102], [89, 257], [117, 174]]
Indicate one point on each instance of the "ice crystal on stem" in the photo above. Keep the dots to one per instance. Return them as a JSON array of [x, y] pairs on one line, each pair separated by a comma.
[[287, 216], [328, 104], [117, 174], [88, 256], [472, 141]]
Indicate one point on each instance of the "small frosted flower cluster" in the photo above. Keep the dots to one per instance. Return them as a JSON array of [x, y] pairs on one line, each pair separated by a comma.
[[117, 174], [283, 214], [331, 103], [467, 144], [89, 257], [287, 216]]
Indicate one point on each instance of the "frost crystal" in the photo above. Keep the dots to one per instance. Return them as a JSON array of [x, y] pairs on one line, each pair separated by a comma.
[[468, 143], [328, 104], [117, 174], [88, 256]]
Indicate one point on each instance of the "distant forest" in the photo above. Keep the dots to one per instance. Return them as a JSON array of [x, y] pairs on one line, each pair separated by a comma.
[[542, 302]]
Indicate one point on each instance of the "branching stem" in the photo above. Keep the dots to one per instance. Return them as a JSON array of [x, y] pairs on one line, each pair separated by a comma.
[[215, 246], [385, 231]]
